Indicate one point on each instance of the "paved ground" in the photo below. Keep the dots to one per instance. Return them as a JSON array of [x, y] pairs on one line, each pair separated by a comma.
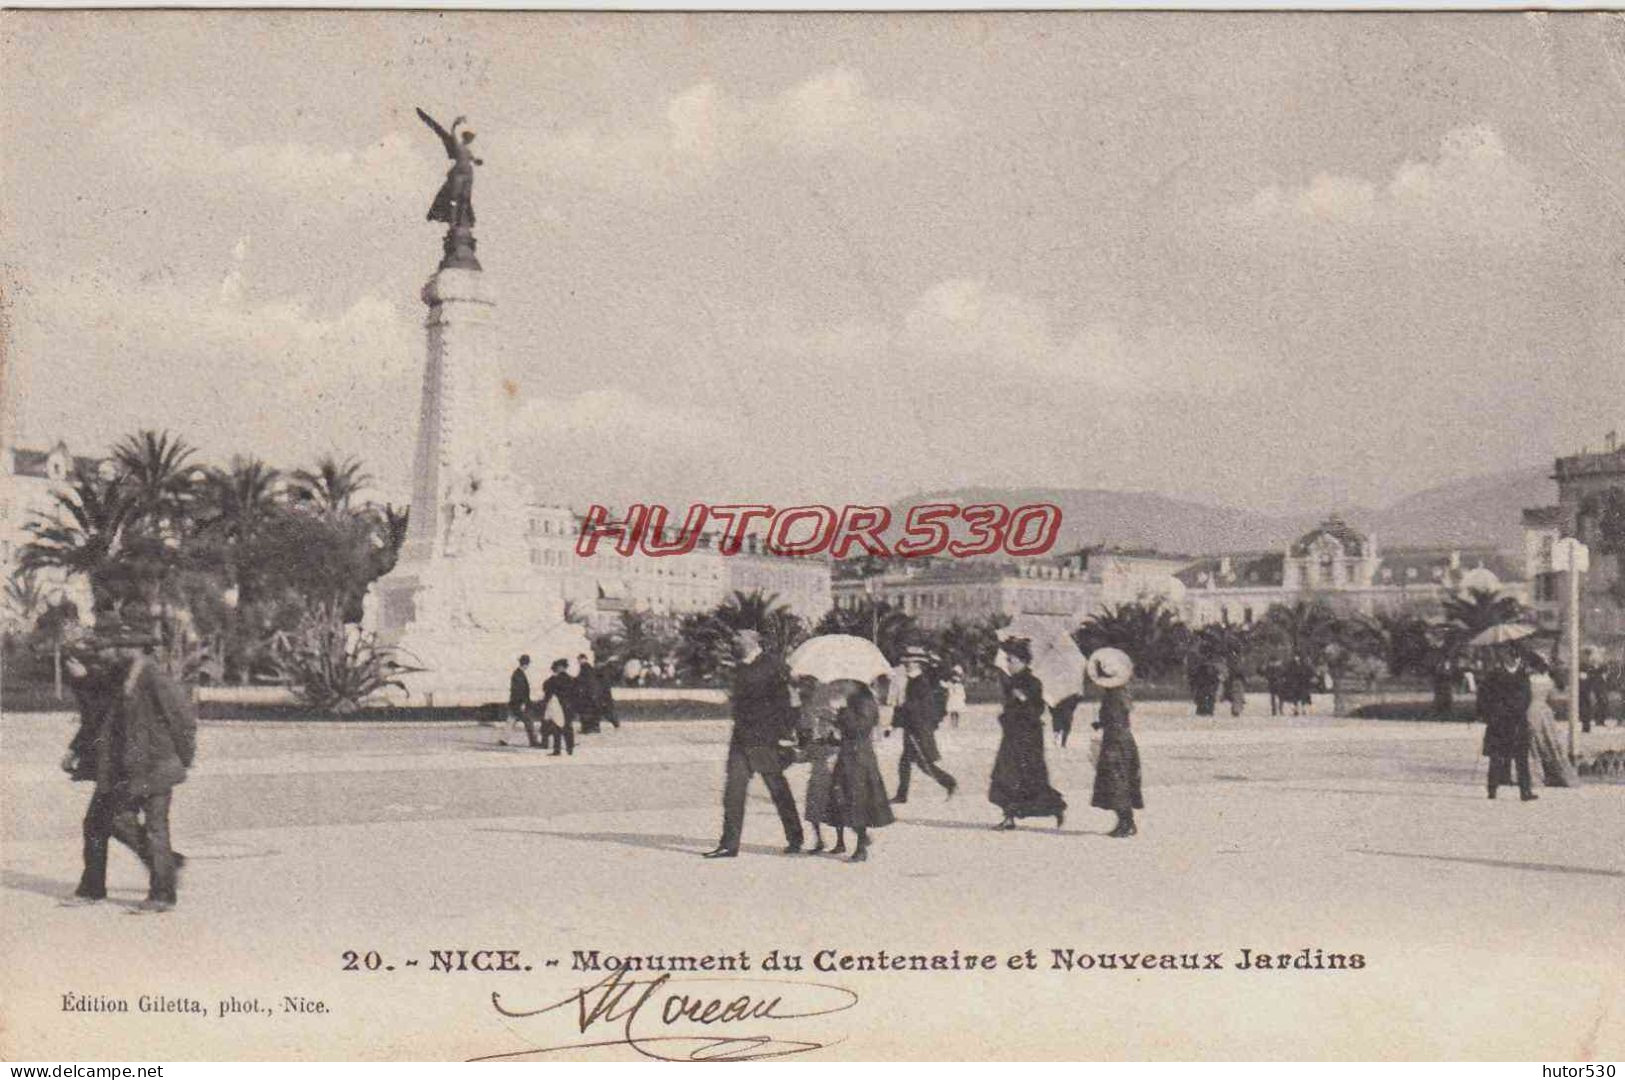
[[1487, 929]]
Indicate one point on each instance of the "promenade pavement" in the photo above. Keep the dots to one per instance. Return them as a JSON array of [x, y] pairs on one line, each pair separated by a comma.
[[1486, 929]]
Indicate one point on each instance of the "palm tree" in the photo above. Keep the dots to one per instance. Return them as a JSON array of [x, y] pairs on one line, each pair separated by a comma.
[[390, 524], [1310, 630], [236, 501], [1151, 633], [25, 598], [888, 626], [750, 610], [332, 487], [84, 532], [152, 466], [1477, 610]]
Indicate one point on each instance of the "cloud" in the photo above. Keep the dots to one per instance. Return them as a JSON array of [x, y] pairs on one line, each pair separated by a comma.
[[704, 128], [965, 321], [164, 141], [276, 377], [1473, 186]]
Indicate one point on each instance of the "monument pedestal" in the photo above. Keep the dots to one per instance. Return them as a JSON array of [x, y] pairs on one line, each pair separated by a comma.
[[463, 601]]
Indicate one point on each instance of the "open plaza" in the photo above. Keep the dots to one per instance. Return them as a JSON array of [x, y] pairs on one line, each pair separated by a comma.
[[337, 870]]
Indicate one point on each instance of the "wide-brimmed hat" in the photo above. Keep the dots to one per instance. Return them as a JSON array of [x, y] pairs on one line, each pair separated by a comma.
[[1109, 667], [916, 655], [1019, 648]]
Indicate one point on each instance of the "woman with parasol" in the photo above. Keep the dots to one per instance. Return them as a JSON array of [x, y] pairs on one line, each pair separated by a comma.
[[837, 672], [1020, 783]]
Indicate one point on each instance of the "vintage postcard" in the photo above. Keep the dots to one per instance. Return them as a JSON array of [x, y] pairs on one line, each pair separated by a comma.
[[834, 537]]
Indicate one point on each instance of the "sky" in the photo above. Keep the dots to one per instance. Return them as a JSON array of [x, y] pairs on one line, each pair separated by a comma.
[[1255, 260]]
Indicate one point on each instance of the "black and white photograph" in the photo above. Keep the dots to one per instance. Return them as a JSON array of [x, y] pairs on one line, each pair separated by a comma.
[[748, 536]]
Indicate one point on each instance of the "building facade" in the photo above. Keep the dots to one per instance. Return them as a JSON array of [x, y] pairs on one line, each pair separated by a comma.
[[1590, 487], [27, 490], [602, 585], [937, 592], [1338, 564]]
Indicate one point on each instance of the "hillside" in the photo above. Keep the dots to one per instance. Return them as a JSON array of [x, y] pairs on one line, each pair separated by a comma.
[[1472, 511]]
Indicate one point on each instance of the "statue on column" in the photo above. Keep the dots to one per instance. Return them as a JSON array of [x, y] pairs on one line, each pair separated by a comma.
[[454, 203]]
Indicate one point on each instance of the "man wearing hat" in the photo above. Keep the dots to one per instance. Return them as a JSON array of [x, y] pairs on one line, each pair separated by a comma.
[[925, 703], [763, 724], [146, 741]]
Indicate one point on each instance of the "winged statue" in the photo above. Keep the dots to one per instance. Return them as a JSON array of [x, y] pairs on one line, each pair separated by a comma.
[[454, 204]]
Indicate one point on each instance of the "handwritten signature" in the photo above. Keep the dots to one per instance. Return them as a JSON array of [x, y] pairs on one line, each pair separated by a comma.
[[686, 1019]]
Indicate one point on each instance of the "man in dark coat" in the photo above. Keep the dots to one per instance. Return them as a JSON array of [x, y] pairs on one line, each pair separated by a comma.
[[146, 742], [560, 688], [763, 725], [925, 703], [587, 696], [519, 702], [1503, 704]]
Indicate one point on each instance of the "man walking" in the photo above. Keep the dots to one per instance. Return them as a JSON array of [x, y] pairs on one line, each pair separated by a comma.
[[925, 703], [519, 703], [762, 725], [146, 742], [586, 695], [1503, 704]]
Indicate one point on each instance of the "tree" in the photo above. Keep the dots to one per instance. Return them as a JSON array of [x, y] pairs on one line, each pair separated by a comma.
[[153, 467], [25, 598], [1151, 633], [331, 488], [1312, 631], [84, 532], [888, 626], [1471, 613]]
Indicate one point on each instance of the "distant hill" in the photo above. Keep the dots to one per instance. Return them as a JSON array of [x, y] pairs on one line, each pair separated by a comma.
[[1477, 510], [1474, 511]]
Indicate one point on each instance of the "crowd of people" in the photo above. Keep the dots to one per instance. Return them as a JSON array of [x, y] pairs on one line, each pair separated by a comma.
[[582, 701], [780, 722], [137, 739]]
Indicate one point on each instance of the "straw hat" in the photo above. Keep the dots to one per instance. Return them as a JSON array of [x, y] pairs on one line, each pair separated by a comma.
[[1108, 668]]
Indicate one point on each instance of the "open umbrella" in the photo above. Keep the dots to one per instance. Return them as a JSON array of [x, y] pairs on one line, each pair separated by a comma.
[[1057, 662], [1502, 634], [838, 656]]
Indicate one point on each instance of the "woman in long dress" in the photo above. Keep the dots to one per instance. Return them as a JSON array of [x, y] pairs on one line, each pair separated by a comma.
[[818, 741], [1555, 767], [1020, 783], [859, 791], [1117, 770]]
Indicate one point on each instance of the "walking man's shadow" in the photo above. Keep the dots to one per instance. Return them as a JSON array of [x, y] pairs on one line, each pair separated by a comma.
[[682, 845]]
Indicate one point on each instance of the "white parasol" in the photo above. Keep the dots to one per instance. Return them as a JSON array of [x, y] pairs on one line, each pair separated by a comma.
[[838, 656]]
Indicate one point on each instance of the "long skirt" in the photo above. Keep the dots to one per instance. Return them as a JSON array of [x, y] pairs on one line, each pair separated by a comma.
[[1020, 783], [1555, 766], [1117, 773], [819, 805], [859, 798]]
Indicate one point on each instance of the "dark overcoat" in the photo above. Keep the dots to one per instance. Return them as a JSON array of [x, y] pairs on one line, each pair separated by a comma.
[[1117, 773], [1020, 782], [1503, 705], [150, 736], [925, 703], [761, 712]]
